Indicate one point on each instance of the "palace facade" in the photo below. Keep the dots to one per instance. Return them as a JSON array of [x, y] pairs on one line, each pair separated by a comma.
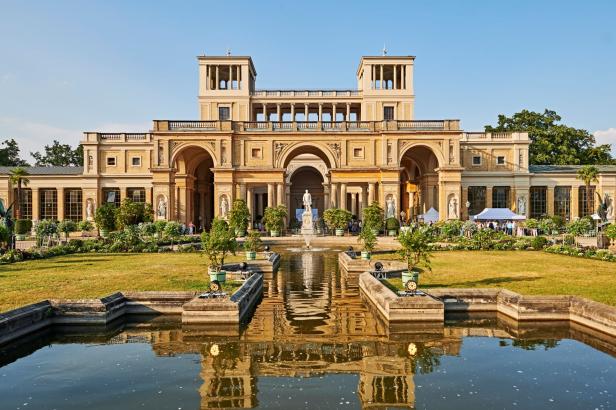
[[347, 147]]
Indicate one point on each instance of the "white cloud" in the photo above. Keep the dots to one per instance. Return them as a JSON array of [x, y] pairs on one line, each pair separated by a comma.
[[607, 137], [33, 136]]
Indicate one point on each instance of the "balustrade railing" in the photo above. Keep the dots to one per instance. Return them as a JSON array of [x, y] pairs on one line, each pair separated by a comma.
[[306, 93], [176, 125]]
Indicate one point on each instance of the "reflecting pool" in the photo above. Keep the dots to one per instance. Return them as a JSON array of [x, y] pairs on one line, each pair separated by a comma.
[[312, 343]]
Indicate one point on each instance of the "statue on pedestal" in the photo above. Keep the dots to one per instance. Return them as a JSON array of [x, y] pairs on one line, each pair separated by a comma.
[[307, 200], [162, 207]]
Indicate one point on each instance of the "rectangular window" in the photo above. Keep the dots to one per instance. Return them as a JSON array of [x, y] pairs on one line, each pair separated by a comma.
[[477, 199], [135, 161], [500, 160], [476, 159], [586, 207], [256, 153], [111, 196], [48, 207], [73, 204], [538, 201], [111, 161], [136, 194], [562, 201], [224, 113], [358, 152], [25, 203], [500, 197], [388, 113]]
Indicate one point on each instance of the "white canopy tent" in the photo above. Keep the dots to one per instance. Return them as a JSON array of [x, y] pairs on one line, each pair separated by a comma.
[[430, 216], [498, 214]]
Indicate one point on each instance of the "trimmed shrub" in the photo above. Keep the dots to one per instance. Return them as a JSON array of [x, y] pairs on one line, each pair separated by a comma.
[[23, 226], [539, 242]]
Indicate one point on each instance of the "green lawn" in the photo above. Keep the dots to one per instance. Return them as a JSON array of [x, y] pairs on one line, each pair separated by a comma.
[[96, 275], [526, 272]]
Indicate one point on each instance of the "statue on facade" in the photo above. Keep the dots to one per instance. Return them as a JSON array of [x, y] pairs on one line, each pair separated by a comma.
[[391, 207], [522, 205], [603, 209], [610, 207], [453, 208], [89, 209], [307, 200], [162, 207], [224, 206]]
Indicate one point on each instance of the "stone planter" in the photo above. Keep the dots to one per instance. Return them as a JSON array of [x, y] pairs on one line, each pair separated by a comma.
[[251, 256], [366, 255], [410, 275], [339, 232], [274, 233], [220, 276]]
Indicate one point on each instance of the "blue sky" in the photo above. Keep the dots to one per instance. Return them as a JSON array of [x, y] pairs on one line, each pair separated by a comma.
[[73, 66]]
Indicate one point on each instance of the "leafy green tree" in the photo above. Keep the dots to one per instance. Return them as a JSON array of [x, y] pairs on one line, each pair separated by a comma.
[[217, 243], [60, 155], [416, 246], [67, 226], [133, 213], [552, 143], [19, 177], [9, 154], [588, 174]]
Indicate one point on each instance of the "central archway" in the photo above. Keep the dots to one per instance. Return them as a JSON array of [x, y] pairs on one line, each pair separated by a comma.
[[305, 178], [419, 181]]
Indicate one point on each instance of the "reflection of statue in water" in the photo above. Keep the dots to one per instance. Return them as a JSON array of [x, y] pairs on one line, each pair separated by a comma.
[[307, 200], [162, 207]]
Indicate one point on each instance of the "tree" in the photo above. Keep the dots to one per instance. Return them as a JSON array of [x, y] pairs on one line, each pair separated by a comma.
[[59, 155], [133, 213], [217, 243], [9, 155], [588, 174], [552, 143], [19, 177]]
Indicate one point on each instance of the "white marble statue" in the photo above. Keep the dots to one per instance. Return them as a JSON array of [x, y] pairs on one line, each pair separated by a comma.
[[522, 205], [453, 208], [224, 206], [610, 207], [391, 207], [307, 200], [162, 207], [89, 210]]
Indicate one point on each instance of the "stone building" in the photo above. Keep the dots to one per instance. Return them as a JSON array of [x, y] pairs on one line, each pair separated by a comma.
[[348, 147]]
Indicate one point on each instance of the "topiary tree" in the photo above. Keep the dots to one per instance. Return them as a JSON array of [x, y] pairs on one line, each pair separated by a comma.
[[239, 216], [368, 239], [373, 216], [416, 249], [160, 228], [85, 226], [610, 231], [337, 218], [173, 230], [273, 218], [217, 243], [45, 229], [133, 213], [67, 226], [392, 225], [105, 218]]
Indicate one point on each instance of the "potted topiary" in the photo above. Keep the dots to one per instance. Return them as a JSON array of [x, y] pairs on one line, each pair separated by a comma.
[[372, 217], [22, 228], [368, 240], [85, 227], [252, 245], [392, 225], [67, 226], [273, 219], [337, 219], [105, 218], [238, 217], [216, 244], [415, 252]]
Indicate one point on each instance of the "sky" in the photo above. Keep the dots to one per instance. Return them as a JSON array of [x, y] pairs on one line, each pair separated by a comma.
[[72, 66]]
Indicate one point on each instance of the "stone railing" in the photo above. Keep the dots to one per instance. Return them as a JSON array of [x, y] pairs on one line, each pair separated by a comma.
[[296, 126], [494, 136], [117, 137], [306, 93]]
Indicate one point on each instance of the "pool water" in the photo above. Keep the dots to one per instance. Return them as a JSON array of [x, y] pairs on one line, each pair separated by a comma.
[[311, 344]]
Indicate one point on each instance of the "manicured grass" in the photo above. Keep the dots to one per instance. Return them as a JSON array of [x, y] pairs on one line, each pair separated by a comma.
[[96, 275], [526, 272]]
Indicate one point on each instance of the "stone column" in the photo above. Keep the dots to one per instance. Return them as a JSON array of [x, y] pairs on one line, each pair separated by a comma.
[[362, 203], [325, 197], [333, 196], [243, 191], [382, 81], [280, 194], [348, 112], [306, 112], [270, 195], [278, 111], [292, 112], [371, 192], [250, 205], [395, 77], [343, 196], [574, 203], [320, 112], [239, 82], [36, 204], [489, 197], [333, 112], [217, 83], [550, 200], [354, 203], [260, 204], [264, 112], [60, 199], [411, 203]]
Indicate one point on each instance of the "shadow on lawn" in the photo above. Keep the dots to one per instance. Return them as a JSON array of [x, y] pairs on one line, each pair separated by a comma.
[[484, 282]]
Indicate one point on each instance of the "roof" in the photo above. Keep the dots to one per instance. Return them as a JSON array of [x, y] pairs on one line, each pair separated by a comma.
[[497, 214], [565, 169], [46, 170], [430, 216]]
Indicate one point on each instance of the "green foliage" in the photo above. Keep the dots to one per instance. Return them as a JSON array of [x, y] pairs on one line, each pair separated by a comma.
[[610, 231], [105, 217], [218, 242], [67, 226], [9, 154], [569, 239], [46, 227], [452, 228], [337, 218], [239, 215], [173, 230], [367, 238], [531, 223], [160, 227], [392, 224], [147, 228], [5, 234], [580, 227], [373, 216], [539, 242], [469, 227], [85, 226], [253, 242], [273, 218], [19, 178], [60, 155], [133, 213], [416, 248], [552, 143], [591, 253], [547, 225], [23, 226]]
